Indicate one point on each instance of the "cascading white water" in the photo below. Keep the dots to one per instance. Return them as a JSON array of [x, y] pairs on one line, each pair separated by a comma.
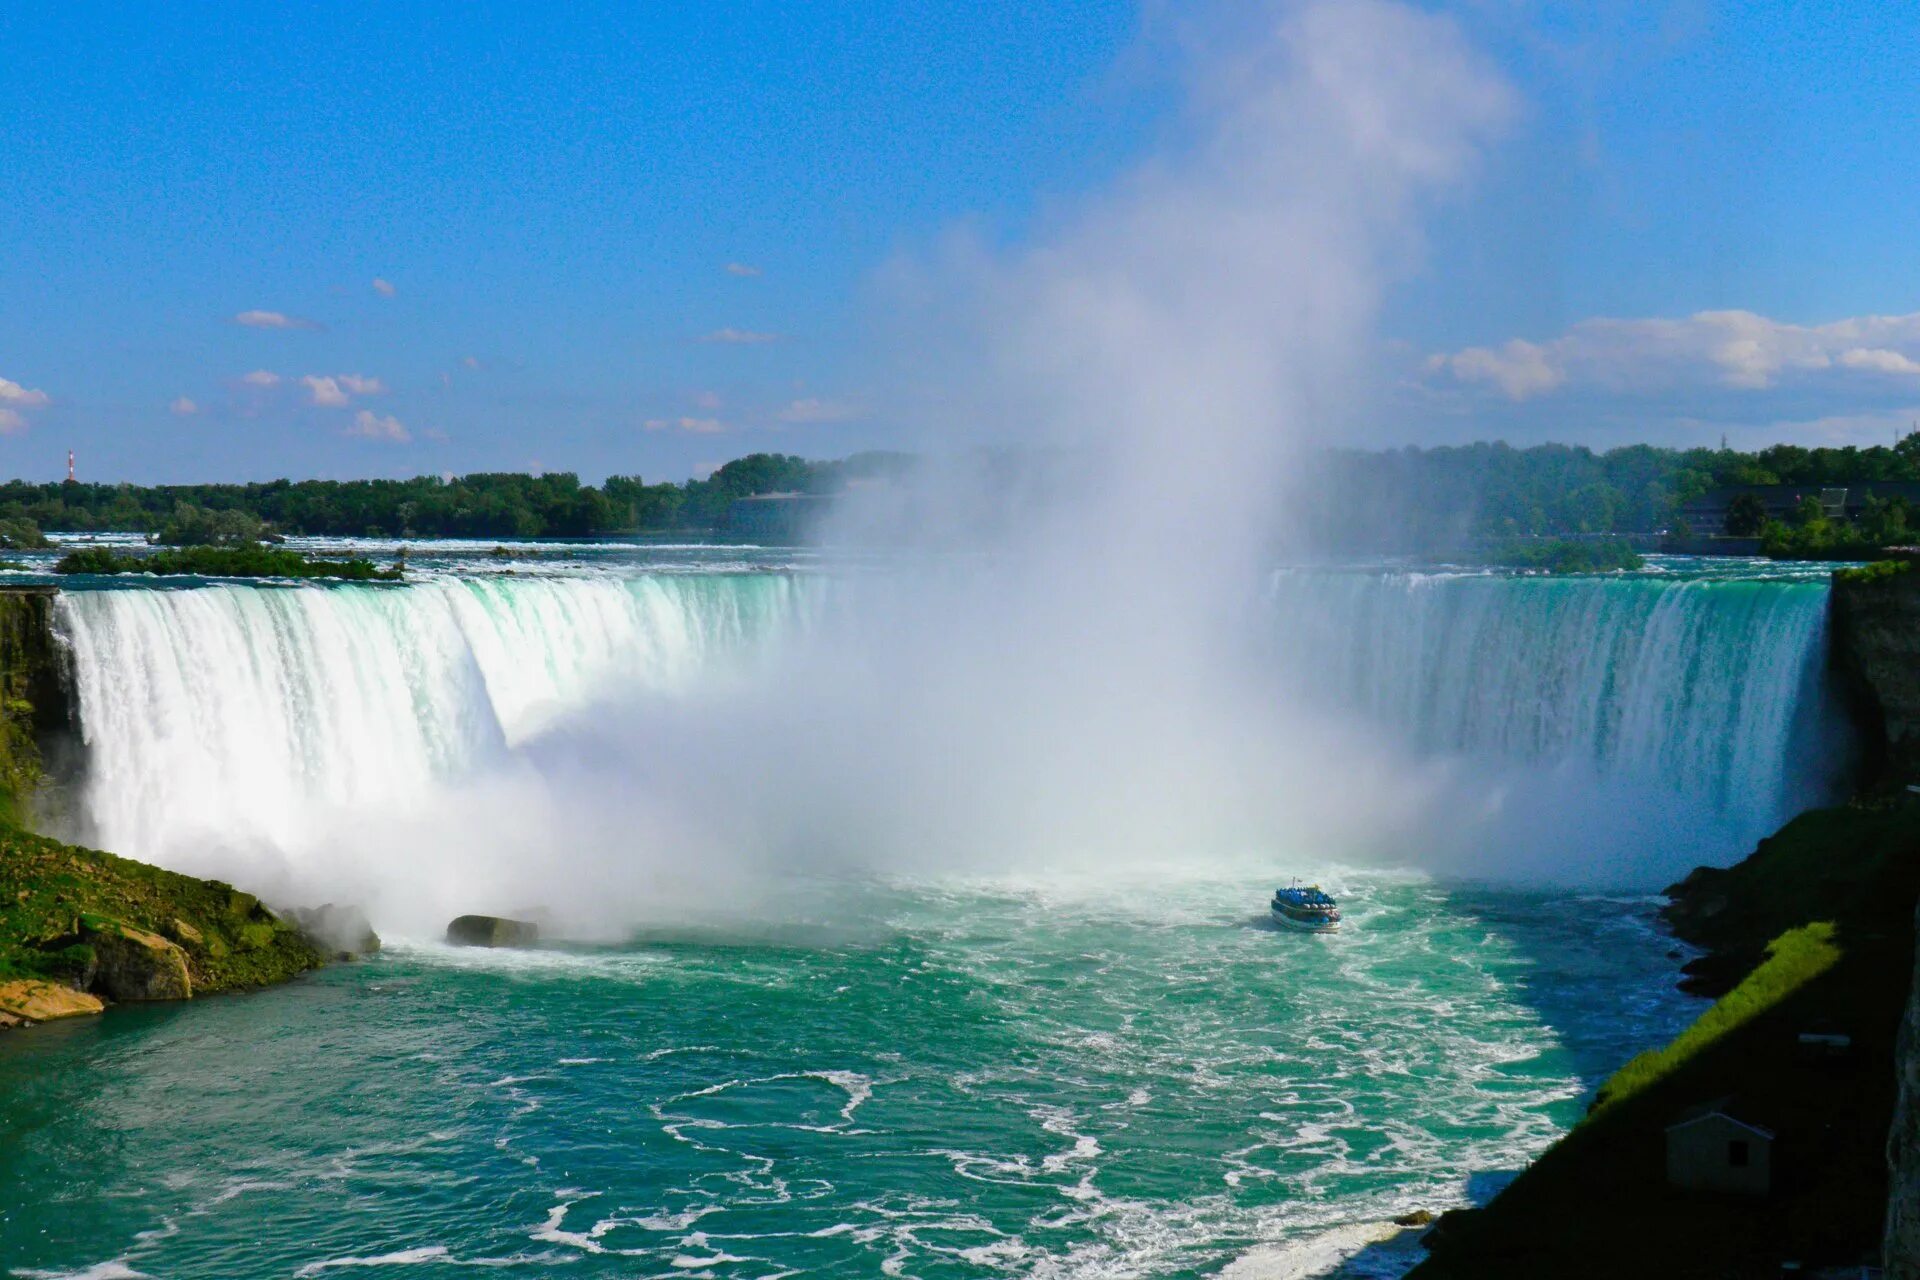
[[232, 713], [1582, 718], [1708, 690]]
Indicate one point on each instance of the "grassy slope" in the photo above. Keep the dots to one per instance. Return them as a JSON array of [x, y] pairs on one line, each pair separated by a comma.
[[47, 888], [1835, 890]]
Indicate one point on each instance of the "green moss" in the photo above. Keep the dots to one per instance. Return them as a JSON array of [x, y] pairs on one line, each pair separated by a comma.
[[1878, 571], [1795, 959], [50, 892]]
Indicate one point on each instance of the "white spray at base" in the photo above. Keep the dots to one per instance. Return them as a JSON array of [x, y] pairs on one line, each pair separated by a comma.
[[1088, 694], [614, 749]]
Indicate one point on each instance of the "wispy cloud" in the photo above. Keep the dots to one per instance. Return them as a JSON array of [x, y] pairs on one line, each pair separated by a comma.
[[707, 400], [272, 320], [13, 399], [19, 397], [384, 287], [814, 409], [261, 378], [335, 391], [742, 337], [325, 392], [371, 426], [742, 269], [470, 362], [693, 426], [183, 407], [1735, 350]]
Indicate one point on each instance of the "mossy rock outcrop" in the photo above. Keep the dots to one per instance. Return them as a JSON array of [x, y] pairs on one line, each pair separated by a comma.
[[91, 922], [132, 964]]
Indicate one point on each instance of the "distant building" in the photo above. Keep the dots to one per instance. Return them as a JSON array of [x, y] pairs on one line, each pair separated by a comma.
[[1706, 515], [1710, 1149]]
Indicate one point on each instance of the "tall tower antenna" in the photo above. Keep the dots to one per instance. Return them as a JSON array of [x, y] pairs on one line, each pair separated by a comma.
[[69, 466]]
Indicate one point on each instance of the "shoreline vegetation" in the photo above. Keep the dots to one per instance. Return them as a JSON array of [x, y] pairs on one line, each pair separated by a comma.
[[246, 561]]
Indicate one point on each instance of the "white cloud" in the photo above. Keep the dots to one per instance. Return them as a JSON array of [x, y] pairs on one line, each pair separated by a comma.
[[371, 426], [334, 391], [12, 393], [325, 392], [740, 337], [1879, 360], [1737, 350], [742, 269], [708, 400], [1519, 368], [261, 378], [272, 320], [184, 407], [693, 426], [12, 422], [384, 287], [814, 409]]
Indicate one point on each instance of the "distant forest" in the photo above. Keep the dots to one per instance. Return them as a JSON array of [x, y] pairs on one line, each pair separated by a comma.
[[1397, 499], [484, 505], [1455, 496]]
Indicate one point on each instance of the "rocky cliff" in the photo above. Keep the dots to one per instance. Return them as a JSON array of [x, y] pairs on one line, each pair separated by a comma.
[[1876, 650], [34, 708], [1903, 1145]]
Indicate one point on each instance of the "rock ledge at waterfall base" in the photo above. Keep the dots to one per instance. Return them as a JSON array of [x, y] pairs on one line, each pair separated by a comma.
[[79, 927]]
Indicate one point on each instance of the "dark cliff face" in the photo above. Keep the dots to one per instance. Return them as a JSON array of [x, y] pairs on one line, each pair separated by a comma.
[[1903, 1146], [1876, 650], [35, 710]]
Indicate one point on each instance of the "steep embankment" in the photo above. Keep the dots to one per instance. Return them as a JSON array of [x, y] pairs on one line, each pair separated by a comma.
[[1811, 934], [79, 927], [1903, 1145]]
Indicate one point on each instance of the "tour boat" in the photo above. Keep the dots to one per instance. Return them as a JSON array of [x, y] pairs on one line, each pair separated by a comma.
[[1309, 910]]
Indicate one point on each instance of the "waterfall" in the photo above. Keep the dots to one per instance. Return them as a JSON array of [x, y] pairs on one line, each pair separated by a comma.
[[1584, 721], [1707, 691], [231, 713]]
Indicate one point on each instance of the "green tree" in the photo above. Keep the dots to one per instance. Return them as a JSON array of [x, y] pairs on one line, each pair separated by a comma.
[[1746, 516]]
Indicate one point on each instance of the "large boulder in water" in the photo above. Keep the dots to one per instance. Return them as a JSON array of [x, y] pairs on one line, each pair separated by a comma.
[[492, 931], [133, 964]]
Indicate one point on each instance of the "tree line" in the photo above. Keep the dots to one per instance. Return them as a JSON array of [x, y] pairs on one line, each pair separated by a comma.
[[1393, 500], [484, 505], [1412, 498]]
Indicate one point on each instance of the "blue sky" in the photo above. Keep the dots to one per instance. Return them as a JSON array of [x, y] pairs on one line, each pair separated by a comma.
[[241, 241]]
